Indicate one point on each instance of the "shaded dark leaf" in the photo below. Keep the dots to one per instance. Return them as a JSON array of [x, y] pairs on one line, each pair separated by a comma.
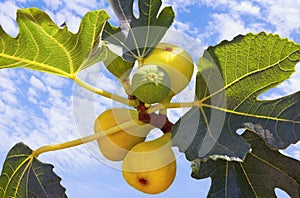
[[203, 134], [25, 176], [262, 171], [138, 36]]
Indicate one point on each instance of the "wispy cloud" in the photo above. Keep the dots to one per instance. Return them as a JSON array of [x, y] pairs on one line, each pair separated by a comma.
[[282, 15], [227, 26]]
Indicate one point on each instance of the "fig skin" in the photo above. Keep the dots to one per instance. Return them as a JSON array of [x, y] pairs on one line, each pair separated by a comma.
[[150, 167], [175, 61], [151, 84], [115, 146]]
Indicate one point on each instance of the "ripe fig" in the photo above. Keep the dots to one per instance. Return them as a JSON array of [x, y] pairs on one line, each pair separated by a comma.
[[175, 61], [150, 84], [115, 146], [150, 167]]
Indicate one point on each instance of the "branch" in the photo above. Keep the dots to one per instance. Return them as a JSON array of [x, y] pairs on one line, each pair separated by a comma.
[[83, 140]]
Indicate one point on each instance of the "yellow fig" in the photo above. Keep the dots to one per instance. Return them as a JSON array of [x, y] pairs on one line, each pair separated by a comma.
[[150, 167], [175, 61], [115, 146]]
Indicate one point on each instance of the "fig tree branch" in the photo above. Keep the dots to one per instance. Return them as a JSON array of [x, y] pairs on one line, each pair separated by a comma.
[[86, 139]]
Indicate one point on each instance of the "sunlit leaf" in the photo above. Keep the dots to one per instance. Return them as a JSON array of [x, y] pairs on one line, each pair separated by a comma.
[[262, 171], [231, 76], [138, 36], [41, 45], [25, 176]]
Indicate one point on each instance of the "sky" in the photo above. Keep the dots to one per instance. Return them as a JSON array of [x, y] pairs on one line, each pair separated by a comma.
[[40, 109]]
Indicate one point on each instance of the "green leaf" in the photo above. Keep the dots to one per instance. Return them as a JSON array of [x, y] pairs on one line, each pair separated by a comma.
[[138, 36], [262, 171], [41, 45], [25, 176], [231, 76], [117, 66]]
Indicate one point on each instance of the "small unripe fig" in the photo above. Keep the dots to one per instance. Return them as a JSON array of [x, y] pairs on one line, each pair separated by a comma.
[[115, 146], [175, 61], [151, 84], [150, 167]]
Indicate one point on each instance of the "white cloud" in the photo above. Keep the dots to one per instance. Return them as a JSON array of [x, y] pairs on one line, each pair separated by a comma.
[[8, 11], [36, 83], [53, 4], [279, 15], [234, 7], [228, 26], [283, 15], [32, 95], [8, 89], [55, 81], [245, 7]]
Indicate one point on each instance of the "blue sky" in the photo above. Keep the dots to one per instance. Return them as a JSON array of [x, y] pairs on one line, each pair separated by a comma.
[[40, 109]]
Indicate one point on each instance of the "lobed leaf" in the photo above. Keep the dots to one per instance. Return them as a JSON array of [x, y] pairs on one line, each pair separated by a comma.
[[262, 171], [200, 134], [138, 36], [41, 45], [231, 76], [25, 176]]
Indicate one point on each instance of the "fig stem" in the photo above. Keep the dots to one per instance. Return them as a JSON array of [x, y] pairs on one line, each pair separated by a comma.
[[163, 106], [126, 85], [132, 103], [86, 139]]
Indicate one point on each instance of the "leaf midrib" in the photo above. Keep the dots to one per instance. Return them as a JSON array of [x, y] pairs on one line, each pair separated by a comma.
[[249, 115], [15, 172], [245, 76], [267, 163], [39, 64]]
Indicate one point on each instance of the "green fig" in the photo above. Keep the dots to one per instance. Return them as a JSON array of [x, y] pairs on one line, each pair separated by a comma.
[[151, 84]]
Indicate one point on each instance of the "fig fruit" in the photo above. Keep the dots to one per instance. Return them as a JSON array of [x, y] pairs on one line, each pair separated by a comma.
[[150, 84], [115, 146], [175, 61], [150, 167]]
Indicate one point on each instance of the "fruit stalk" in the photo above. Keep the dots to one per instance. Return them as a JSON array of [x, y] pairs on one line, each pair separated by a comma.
[[106, 94], [160, 121], [163, 106], [83, 140]]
